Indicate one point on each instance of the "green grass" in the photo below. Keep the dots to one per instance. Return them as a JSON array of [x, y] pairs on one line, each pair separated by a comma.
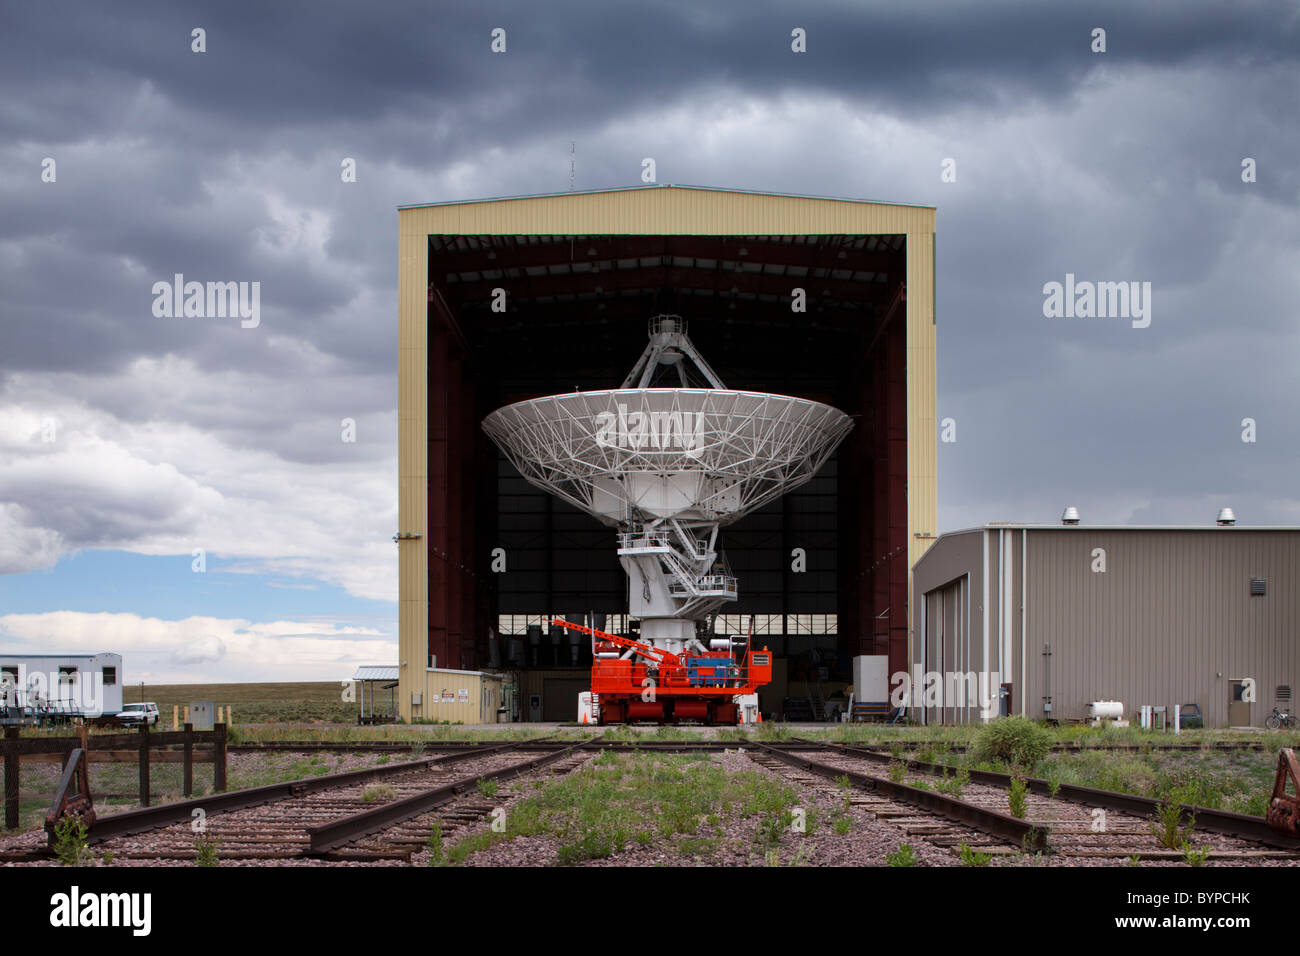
[[70, 847], [903, 856], [1195, 857], [1167, 826], [417, 735], [970, 857], [379, 793], [621, 800], [1236, 780], [1018, 797], [205, 850], [1079, 735], [292, 702], [1240, 781]]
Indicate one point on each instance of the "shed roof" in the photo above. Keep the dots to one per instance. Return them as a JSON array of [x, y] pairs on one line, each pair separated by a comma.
[[376, 672]]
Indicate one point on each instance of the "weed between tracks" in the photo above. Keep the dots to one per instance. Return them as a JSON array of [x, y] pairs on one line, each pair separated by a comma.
[[622, 801], [1238, 780]]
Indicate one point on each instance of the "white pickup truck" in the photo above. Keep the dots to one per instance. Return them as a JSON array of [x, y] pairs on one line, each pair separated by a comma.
[[133, 715]]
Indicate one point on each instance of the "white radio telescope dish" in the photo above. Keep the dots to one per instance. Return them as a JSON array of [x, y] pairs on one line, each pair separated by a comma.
[[668, 467]]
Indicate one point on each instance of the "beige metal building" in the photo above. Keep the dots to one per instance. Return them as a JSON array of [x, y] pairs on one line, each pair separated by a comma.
[[1063, 615], [506, 299], [458, 697]]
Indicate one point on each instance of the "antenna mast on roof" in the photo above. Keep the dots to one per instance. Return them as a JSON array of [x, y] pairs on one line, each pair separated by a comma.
[[572, 159]]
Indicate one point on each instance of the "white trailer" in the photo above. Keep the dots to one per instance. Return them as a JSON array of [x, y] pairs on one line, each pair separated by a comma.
[[86, 684]]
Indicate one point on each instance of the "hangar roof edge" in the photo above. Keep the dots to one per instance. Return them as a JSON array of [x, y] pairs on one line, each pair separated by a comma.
[[1047, 526], [653, 186]]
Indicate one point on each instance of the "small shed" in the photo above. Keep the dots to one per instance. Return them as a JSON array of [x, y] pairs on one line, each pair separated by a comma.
[[377, 694]]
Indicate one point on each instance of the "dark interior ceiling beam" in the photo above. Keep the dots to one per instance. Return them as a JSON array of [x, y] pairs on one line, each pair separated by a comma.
[[826, 255], [529, 287]]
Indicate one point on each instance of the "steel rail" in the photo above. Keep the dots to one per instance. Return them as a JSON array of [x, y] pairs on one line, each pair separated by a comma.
[[1225, 822], [631, 746], [152, 818], [1020, 832], [1223, 745], [333, 834]]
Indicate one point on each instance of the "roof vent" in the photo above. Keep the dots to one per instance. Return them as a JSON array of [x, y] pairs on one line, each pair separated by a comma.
[[1070, 515], [1226, 518]]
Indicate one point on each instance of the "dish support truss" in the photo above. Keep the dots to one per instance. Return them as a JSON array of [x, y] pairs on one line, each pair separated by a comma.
[[668, 467]]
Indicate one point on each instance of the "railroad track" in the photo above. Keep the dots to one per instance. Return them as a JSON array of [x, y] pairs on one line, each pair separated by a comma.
[[329, 817], [704, 744], [916, 813], [1075, 823], [333, 818], [539, 745], [1153, 747]]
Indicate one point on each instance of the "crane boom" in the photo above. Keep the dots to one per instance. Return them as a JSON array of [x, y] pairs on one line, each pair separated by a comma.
[[657, 654]]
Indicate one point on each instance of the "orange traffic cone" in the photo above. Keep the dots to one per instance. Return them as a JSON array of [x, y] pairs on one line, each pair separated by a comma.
[[760, 716]]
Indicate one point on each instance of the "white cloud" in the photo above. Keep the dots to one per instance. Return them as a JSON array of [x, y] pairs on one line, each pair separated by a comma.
[[165, 485], [204, 649]]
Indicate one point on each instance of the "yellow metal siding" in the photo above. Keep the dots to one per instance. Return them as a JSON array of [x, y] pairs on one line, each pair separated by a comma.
[[922, 386], [477, 709], [669, 210]]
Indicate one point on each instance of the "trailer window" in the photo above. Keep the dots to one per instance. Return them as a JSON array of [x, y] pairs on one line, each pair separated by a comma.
[[67, 674], [110, 676]]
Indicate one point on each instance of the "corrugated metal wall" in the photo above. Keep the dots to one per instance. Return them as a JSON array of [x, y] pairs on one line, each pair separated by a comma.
[[949, 598], [460, 697], [1170, 621]]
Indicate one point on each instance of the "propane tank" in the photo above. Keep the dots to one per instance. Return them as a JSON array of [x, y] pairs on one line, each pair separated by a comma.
[[1106, 710]]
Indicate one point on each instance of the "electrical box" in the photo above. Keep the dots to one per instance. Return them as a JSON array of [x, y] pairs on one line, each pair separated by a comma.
[[871, 679], [203, 714], [416, 698]]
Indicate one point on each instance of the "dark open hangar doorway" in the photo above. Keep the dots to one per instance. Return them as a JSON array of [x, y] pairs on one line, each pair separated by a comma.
[[575, 315]]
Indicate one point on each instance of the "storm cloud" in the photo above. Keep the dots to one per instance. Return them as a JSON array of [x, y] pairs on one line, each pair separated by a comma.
[[224, 166]]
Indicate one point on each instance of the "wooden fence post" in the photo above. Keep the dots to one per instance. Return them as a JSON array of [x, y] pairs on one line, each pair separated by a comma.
[[11, 777], [144, 764], [219, 761], [187, 787]]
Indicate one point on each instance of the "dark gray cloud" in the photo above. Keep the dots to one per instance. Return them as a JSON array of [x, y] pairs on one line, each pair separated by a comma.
[[225, 166]]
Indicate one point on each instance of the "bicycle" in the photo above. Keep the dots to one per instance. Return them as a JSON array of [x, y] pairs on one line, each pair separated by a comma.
[[1281, 718]]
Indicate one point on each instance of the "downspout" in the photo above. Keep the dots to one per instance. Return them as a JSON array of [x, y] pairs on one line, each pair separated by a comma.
[[966, 619], [1002, 614], [1006, 578], [925, 656], [1024, 563], [984, 557]]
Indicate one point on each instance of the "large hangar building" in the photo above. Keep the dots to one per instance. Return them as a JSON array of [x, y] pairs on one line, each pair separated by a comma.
[[509, 299]]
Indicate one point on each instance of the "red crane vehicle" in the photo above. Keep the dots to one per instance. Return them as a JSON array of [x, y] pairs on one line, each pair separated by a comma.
[[663, 686]]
